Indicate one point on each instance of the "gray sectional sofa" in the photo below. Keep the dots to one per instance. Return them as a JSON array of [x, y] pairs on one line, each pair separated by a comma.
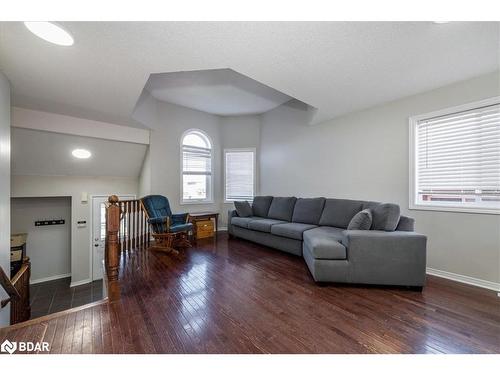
[[387, 252]]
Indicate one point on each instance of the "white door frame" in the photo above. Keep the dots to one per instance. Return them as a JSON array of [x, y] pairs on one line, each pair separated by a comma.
[[91, 227]]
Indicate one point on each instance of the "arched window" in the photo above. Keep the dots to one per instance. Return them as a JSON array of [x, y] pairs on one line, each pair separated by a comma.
[[196, 154]]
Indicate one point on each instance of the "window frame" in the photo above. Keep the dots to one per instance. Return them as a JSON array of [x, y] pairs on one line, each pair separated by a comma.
[[413, 122], [242, 149], [210, 186]]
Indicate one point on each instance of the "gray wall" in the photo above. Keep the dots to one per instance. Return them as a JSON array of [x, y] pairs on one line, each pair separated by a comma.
[[49, 247], [4, 187], [365, 155]]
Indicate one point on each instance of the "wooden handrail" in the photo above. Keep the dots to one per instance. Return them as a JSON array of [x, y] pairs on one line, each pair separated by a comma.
[[126, 229], [9, 287], [20, 309]]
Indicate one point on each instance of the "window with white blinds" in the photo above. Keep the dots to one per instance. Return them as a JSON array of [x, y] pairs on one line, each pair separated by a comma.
[[196, 174], [456, 158], [239, 174]]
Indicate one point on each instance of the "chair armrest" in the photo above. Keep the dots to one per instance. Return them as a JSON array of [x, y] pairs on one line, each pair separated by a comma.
[[158, 220], [180, 218], [374, 244]]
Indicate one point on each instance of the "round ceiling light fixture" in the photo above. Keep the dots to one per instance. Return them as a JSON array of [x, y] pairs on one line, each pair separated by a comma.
[[440, 22], [80, 153], [51, 32]]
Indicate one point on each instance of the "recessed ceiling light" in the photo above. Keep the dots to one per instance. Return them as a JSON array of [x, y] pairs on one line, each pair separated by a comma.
[[440, 22], [80, 153], [50, 32]]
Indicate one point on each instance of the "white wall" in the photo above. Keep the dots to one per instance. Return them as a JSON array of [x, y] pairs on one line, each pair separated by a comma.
[[145, 176], [50, 186], [48, 247], [161, 169], [239, 132], [4, 188], [364, 155], [172, 122]]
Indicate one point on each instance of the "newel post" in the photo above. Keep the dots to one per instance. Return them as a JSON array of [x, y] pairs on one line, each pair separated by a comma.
[[112, 246]]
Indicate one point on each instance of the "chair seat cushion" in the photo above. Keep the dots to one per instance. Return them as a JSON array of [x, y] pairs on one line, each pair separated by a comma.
[[291, 230], [181, 227], [263, 225], [324, 243], [243, 222]]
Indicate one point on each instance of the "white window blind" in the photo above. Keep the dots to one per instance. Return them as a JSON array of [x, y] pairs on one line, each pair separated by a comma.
[[457, 158], [239, 175], [196, 167]]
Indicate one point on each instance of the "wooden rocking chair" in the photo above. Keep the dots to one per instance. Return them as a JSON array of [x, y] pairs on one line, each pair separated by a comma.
[[170, 231]]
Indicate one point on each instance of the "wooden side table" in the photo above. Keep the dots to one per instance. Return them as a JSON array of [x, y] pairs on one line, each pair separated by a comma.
[[199, 216]]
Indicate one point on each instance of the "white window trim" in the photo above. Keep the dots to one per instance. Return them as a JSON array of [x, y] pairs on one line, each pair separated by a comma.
[[413, 121], [210, 198], [247, 149]]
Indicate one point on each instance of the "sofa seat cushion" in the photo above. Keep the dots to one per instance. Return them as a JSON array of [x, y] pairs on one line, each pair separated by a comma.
[[291, 230], [243, 222], [263, 225], [324, 243]]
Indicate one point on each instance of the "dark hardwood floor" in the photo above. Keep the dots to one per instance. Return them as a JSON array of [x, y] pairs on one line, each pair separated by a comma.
[[232, 296]]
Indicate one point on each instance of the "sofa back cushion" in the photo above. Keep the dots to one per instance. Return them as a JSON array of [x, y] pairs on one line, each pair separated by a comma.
[[260, 205], [385, 217], [308, 210], [339, 212], [282, 208]]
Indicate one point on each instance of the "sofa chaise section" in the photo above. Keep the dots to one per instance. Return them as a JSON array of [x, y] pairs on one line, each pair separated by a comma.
[[389, 253]]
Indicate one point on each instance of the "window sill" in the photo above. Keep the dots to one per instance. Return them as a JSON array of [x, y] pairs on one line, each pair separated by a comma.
[[470, 210], [231, 202], [186, 203]]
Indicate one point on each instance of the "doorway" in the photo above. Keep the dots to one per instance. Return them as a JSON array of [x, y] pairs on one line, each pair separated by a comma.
[[99, 231]]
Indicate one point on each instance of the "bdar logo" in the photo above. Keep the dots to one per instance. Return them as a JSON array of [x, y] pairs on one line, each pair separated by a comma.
[[8, 347]]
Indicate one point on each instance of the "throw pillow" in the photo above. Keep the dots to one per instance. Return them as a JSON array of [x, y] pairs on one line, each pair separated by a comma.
[[385, 217], [243, 209], [362, 220]]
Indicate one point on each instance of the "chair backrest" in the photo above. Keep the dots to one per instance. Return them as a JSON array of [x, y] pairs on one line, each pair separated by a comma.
[[156, 206]]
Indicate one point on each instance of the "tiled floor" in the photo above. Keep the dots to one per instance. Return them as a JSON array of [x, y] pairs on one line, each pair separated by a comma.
[[53, 296]]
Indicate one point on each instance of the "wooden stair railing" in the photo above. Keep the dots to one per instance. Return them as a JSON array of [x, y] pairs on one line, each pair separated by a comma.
[[18, 292], [126, 229]]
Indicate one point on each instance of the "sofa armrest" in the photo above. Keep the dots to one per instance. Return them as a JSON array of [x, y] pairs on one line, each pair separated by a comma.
[[393, 258], [377, 241], [230, 215]]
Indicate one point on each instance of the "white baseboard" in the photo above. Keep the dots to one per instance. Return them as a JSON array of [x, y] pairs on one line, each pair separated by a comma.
[[50, 278], [81, 282], [465, 279], [221, 229]]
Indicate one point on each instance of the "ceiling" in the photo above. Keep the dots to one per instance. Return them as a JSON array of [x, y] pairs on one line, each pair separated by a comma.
[[49, 154], [222, 92], [336, 67]]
